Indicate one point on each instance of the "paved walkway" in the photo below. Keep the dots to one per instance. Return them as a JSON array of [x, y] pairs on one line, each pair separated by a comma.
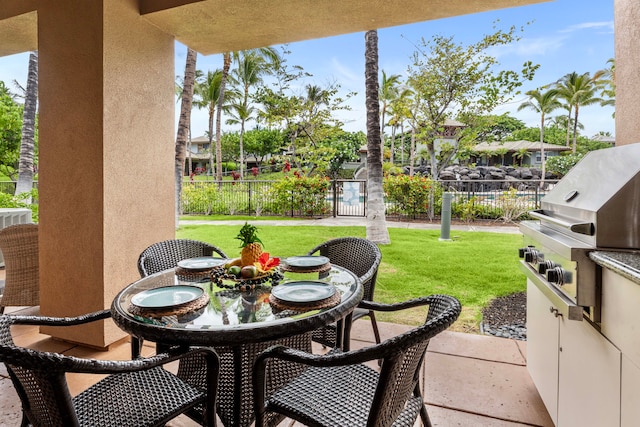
[[351, 221]]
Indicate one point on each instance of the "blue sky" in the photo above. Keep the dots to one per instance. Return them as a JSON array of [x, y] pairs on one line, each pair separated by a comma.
[[563, 36]]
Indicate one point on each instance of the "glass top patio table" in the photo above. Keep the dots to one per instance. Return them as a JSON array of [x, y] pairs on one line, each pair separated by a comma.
[[233, 317]]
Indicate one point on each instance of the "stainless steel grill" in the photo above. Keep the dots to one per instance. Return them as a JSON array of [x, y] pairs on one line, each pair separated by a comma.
[[595, 206]]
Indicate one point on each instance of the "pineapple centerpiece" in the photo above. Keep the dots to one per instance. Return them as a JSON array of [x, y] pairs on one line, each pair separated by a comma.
[[254, 264], [250, 243]]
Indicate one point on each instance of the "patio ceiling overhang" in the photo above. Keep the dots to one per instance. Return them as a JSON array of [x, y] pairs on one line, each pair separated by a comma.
[[216, 26]]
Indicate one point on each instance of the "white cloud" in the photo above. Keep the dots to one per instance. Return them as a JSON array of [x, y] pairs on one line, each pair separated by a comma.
[[344, 73], [605, 25], [529, 47]]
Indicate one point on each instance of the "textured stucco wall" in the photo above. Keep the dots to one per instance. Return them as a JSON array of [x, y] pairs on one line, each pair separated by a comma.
[[627, 56]]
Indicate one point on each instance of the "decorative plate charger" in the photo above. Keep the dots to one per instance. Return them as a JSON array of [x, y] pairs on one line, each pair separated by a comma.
[[168, 301], [304, 295], [306, 264], [197, 268]]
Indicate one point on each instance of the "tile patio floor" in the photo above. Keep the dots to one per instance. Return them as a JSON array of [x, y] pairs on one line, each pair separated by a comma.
[[471, 380]]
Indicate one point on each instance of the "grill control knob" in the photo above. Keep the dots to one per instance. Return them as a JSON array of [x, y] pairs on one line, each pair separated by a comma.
[[523, 251], [556, 275], [533, 255], [545, 265]]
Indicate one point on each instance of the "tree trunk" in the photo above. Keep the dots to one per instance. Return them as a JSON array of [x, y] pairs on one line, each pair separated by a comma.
[[226, 65], [27, 145], [376, 220], [575, 131], [184, 123], [393, 143], [241, 149], [211, 148], [412, 150], [543, 160]]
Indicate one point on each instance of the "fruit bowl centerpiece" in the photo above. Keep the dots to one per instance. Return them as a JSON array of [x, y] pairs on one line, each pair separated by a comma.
[[254, 267]]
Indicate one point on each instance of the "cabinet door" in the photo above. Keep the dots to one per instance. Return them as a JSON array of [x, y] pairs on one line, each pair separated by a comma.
[[542, 348], [630, 407], [589, 377]]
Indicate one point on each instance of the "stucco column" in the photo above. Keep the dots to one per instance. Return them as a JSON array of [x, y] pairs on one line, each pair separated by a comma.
[[106, 137], [627, 46]]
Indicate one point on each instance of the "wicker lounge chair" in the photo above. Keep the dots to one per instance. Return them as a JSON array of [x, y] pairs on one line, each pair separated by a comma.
[[19, 245], [134, 393], [338, 389], [363, 258]]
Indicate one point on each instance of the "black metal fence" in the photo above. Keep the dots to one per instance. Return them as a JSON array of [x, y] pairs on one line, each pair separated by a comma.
[[470, 199]]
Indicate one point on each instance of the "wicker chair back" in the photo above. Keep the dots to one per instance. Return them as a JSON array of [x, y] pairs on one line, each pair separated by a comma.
[[19, 245], [165, 255], [134, 393]]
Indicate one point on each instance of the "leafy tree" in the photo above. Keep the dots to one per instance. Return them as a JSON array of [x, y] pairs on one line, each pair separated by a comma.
[[10, 130], [376, 221], [230, 146], [345, 146], [306, 117], [452, 80], [263, 142], [491, 127], [543, 103]]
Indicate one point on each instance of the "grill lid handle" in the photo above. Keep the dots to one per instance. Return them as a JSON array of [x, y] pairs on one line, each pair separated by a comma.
[[586, 228]]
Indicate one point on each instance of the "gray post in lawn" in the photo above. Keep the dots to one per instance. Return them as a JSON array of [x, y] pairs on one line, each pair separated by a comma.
[[445, 222]]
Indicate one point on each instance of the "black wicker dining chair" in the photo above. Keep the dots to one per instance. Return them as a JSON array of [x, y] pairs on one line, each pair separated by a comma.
[[362, 257], [134, 393], [166, 254], [339, 389]]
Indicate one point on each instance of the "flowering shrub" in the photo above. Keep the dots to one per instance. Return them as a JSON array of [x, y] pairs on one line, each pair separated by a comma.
[[411, 195], [301, 194]]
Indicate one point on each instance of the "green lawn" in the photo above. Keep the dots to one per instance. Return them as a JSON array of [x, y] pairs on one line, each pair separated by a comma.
[[475, 267]]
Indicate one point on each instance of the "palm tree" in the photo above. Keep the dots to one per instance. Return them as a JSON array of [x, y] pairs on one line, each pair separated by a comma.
[[398, 108], [578, 90], [271, 55], [376, 221], [240, 114], [184, 123], [209, 94], [606, 81], [252, 65], [27, 146], [543, 103], [388, 92]]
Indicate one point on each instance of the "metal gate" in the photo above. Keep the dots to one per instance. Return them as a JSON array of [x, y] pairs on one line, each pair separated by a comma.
[[349, 198]]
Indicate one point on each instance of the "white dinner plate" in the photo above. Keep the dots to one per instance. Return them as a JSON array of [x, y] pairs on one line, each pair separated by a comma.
[[303, 291], [201, 263], [167, 297], [306, 262]]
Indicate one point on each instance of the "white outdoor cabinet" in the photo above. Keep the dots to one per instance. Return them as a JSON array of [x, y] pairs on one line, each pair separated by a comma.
[[621, 324], [575, 368]]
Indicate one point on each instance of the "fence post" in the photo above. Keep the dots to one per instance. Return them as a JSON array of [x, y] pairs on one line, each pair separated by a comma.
[[334, 185], [249, 208], [445, 221]]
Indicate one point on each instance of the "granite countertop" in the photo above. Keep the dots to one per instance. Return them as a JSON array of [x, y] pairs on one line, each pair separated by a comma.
[[626, 264]]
